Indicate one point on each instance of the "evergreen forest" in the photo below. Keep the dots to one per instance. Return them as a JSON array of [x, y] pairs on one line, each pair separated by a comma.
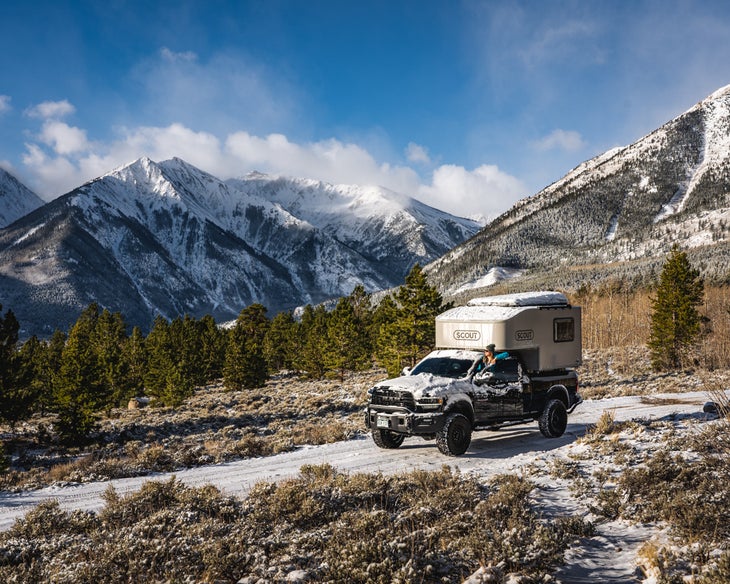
[[99, 364]]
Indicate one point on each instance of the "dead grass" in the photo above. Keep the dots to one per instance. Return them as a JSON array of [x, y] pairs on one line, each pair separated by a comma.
[[322, 526]]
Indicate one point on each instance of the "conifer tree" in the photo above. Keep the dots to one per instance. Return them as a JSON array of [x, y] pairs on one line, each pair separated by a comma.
[[314, 342], [675, 319], [281, 343], [389, 350], [165, 380], [79, 386], [135, 359], [212, 349], [347, 347], [49, 367], [16, 393], [419, 303], [108, 339], [30, 361], [245, 365]]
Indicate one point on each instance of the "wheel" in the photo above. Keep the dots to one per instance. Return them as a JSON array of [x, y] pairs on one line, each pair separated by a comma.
[[455, 437], [554, 419], [387, 439]]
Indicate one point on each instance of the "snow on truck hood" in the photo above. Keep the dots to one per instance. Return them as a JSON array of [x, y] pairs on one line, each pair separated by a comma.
[[430, 384], [425, 383]]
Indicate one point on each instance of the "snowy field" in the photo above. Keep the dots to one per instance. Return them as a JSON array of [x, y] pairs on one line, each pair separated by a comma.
[[609, 556]]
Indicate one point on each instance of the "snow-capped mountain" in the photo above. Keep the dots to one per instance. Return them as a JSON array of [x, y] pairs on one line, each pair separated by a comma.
[[16, 199], [167, 238], [615, 216]]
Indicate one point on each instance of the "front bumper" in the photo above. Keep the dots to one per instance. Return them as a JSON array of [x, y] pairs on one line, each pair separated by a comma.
[[403, 421]]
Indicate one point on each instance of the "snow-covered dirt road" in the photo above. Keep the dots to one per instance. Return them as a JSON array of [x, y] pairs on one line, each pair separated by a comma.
[[490, 453]]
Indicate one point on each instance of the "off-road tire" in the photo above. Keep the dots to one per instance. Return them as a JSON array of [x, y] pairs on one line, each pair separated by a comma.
[[554, 419], [455, 437], [388, 439]]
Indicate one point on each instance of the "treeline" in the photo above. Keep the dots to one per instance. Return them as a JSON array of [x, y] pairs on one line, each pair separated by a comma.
[[99, 365]]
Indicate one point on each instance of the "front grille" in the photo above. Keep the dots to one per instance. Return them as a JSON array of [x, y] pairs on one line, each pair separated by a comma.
[[384, 396]]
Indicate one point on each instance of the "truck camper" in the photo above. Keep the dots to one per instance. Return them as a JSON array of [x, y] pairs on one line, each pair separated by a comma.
[[456, 389]]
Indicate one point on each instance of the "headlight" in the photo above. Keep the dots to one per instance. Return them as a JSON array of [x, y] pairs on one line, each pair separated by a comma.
[[430, 403]]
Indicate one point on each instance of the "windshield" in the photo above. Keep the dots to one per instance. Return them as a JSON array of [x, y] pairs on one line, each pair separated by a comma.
[[444, 367]]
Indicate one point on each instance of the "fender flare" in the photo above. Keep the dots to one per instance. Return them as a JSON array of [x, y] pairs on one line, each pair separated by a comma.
[[559, 392], [461, 403]]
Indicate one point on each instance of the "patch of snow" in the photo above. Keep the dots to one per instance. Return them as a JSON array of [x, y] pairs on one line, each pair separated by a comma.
[[29, 233], [612, 228], [540, 298], [493, 275]]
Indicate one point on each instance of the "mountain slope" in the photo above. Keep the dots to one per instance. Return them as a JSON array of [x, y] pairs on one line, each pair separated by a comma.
[[386, 228], [619, 212], [16, 199], [169, 239]]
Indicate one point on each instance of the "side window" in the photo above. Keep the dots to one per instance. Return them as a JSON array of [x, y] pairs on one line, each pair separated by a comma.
[[563, 330], [506, 369]]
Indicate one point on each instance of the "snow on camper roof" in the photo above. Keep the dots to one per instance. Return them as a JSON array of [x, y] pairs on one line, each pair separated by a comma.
[[543, 298]]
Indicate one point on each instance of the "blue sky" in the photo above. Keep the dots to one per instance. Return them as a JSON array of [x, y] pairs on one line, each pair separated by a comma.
[[468, 106]]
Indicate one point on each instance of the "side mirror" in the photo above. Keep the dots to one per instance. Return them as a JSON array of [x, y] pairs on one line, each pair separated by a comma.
[[406, 371]]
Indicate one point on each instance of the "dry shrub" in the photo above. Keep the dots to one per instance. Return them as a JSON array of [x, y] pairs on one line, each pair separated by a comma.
[[48, 520], [605, 425], [561, 468], [717, 394], [156, 458], [692, 496], [416, 527]]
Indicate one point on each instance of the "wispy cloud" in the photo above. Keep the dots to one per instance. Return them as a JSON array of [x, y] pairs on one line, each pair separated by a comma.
[[417, 154], [567, 140], [4, 103], [223, 92], [51, 110]]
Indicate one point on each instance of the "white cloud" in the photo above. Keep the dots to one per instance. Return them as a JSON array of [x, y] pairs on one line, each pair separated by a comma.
[[418, 154], [567, 140], [63, 138], [172, 56], [485, 191], [63, 160], [4, 103], [51, 110]]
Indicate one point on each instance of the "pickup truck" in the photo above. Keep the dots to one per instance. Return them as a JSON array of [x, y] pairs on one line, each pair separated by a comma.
[[446, 397]]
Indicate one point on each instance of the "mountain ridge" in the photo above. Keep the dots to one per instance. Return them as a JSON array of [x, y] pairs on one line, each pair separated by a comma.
[[16, 200], [624, 208], [167, 238]]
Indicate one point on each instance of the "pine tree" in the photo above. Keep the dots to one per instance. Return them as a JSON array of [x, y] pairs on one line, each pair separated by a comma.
[[314, 342], [108, 339], [419, 303], [49, 367], [165, 380], [389, 351], [245, 365], [30, 359], [135, 359], [16, 392], [212, 349], [281, 343], [79, 386], [675, 320], [347, 346]]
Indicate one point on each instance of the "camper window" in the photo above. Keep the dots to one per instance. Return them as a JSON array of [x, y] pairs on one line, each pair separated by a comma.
[[563, 330]]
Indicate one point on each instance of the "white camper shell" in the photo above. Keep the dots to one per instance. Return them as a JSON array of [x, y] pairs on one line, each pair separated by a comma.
[[541, 327]]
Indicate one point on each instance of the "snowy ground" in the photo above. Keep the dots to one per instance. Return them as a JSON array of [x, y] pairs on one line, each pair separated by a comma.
[[608, 557]]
